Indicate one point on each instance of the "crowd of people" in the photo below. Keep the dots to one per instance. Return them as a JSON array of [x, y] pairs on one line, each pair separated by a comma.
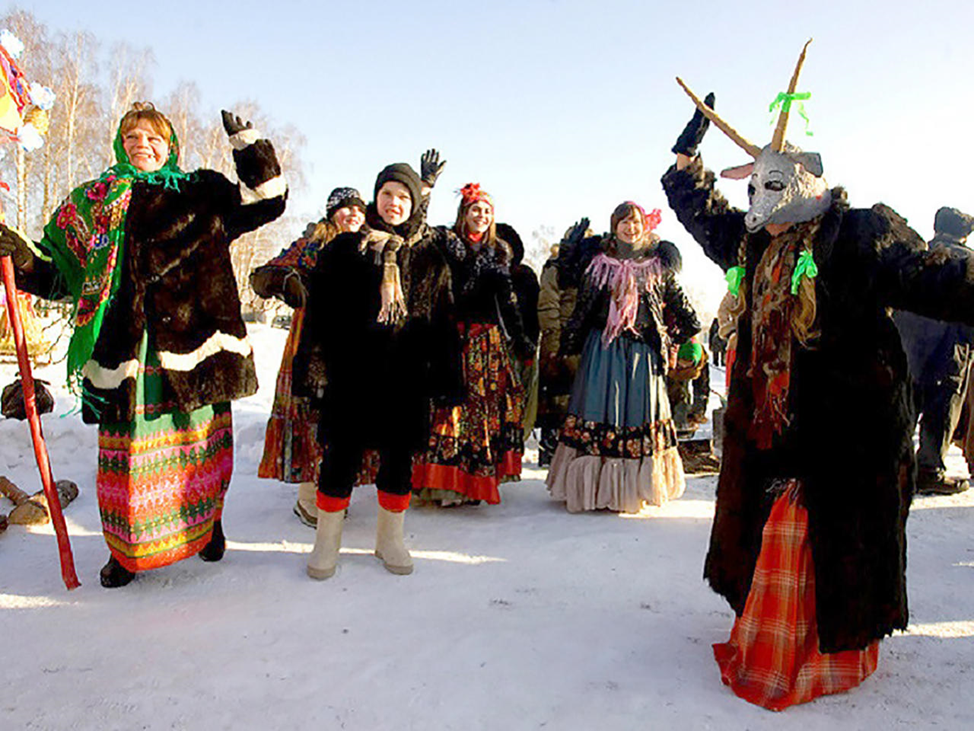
[[420, 357]]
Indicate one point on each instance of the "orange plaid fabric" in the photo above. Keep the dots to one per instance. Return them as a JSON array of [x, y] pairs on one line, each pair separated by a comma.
[[772, 658]]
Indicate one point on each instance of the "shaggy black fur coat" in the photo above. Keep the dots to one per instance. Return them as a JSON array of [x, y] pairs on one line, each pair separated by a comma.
[[850, 413], [665, 316], [379, 379], [178, 287]]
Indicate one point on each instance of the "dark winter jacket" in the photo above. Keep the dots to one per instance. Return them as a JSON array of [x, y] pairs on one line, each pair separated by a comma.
[[484, 290], [665, 316], [936, 350], [380, 377], [848, 438], [178, 287]]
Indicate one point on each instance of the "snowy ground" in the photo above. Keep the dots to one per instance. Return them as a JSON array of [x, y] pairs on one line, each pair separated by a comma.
[[518, 616]]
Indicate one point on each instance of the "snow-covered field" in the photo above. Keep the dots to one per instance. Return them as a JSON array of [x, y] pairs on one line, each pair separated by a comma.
[[518, 616]]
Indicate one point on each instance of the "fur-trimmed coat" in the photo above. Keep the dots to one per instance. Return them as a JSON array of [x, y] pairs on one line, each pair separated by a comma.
[[665, 316], [178, 287], [376, 379], [848, 438]]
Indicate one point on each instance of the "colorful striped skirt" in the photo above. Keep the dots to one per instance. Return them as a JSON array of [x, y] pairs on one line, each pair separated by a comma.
[[772, 657], [162, 477], [477, 445]]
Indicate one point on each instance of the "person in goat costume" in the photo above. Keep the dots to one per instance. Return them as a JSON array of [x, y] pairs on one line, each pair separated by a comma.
[[808, 544]]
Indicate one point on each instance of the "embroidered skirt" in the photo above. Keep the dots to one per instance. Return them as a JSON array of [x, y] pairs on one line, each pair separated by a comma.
[[292, 452], [772, 657], [477, 445], [617, 449], [162, 477]]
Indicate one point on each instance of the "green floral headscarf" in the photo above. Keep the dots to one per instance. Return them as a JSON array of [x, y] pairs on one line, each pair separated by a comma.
[[84, 239]]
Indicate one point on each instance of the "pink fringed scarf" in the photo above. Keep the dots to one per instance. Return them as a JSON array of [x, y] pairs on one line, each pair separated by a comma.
[[626, 280]]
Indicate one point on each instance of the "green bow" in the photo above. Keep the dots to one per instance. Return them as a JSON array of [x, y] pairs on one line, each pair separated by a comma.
[[784, 100], [734, 277], [804, 267]]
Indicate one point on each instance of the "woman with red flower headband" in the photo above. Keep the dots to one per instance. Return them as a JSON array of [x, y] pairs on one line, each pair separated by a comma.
[[477, 445], [617, 448]]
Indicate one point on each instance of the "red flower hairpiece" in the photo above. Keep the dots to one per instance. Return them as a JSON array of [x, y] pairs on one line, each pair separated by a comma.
[[471, 193], [653, 219]]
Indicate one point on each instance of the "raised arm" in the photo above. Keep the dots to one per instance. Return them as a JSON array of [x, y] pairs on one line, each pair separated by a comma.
[[262, 190]]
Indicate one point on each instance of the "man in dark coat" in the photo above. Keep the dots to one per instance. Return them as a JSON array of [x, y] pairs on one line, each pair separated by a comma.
[[939, 355], [379, 343]]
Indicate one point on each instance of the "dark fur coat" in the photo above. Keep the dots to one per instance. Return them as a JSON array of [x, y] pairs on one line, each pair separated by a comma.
[[178, 287], [378, 379], [850, 414], [665, 316]]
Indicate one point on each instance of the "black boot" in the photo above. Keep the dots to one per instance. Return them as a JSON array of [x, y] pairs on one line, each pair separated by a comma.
[[114, 575], [214, 550], [931, 482]]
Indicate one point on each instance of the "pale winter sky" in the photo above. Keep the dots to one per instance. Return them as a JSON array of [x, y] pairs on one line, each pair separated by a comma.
[[563, 109]]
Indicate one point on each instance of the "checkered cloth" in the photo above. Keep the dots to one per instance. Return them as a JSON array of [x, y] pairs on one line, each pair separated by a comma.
[[772, 658]]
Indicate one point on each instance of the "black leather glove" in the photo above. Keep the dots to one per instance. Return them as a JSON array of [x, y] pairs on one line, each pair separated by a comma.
[[430, 167], [692, 134], [13, 245], [295, 293], [577, 232], [233, 124]]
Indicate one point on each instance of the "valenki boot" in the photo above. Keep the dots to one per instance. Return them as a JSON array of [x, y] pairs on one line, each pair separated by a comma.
[[306, 507], [328, 541], [389, 546]]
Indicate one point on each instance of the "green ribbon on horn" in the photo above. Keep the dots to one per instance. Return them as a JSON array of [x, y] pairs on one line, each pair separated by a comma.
[[783, 102], [804, 267]]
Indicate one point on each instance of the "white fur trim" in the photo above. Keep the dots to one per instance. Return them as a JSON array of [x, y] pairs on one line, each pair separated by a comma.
[[273, 188], [110, 378], [216, 343], [244, 138]]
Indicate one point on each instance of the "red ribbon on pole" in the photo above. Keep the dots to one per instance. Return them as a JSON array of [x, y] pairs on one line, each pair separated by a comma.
[[34, 419]]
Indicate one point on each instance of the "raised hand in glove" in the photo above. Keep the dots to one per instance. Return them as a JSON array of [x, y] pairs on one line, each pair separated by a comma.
[[577, 232], [692, 134], [430, 167], [12, 244], [233, 124]]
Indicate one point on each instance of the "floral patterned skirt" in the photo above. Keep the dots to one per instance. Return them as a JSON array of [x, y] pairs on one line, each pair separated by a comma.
[[477, 445], [618, 448]]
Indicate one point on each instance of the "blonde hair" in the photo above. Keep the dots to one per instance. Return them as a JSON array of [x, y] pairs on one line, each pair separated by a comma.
[[146, 112]]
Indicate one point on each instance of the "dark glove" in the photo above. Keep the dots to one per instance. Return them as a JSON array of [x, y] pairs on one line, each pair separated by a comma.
[[233, 124], [295, 293], [577, 232], [692, 134], [12, 244], [430, 167]]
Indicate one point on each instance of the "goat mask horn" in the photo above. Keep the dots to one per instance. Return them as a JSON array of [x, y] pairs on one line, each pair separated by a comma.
[[778, 141], [749, 147]]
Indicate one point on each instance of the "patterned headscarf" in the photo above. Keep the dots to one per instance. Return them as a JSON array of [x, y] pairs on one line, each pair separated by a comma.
[[84, 240]]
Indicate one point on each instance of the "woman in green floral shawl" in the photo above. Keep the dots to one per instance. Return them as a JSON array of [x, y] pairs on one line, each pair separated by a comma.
[[158, 348]]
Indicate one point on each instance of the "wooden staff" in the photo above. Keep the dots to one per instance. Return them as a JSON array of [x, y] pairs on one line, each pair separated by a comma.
[[34, 420]]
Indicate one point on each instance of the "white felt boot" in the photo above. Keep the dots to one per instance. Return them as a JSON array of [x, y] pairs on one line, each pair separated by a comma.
[[328, 541], [389, 546], [306, 508]]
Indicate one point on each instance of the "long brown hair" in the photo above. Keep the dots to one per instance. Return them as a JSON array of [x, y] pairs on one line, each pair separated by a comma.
[[460, 227]]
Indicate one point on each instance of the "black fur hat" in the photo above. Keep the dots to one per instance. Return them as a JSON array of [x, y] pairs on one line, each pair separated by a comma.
[[952, 222], [400, 172]]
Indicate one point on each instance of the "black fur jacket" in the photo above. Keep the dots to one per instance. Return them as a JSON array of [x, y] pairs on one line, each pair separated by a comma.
[[665, 316], [484, 290], [850, 420], [178, 288], [376, 380]]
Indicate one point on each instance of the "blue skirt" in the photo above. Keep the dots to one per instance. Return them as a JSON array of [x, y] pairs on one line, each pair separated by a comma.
[[617, 448]]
